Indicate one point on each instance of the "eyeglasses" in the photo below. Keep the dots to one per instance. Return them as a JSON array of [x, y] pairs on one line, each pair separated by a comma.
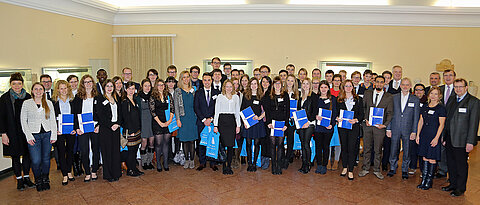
[[171, 72], [87, 82], [216, 63], [127, 74], [458, 87], [348, 86], [47, 81], [418, 89]]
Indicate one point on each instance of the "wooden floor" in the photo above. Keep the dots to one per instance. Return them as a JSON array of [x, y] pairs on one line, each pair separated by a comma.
[[179, 186]]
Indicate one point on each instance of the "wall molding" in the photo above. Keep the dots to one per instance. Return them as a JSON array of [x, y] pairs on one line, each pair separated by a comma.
[[98, 11]]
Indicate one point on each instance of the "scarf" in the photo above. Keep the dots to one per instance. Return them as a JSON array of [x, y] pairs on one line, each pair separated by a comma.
[[144, 96], [14, 95]]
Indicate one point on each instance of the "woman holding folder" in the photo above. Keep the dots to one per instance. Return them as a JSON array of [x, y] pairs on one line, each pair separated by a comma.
[[307, 102], [277, 109], [348, 100], [252, 98]]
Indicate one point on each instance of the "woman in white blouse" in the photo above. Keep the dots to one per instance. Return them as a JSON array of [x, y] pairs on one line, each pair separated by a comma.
[[38, 123], [106, 112], [227, 121]]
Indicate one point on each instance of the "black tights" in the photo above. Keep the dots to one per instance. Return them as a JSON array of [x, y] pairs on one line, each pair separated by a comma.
[[276, 149], [230, 153], [249, 150], [161, 147], [322, 147], [189, 149], [19, 166]]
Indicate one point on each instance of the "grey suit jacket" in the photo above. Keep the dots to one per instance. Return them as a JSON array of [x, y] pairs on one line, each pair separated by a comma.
[[33, 118], [386, 103], [462, 120], [405, 122]]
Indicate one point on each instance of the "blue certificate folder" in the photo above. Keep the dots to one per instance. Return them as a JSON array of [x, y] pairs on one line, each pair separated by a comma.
[[213, 145], [326, 116], [293, 107], [173, 125], [376, 116], [65, 123], [247, 117], [86, 123], [300, 118], [346, 115], [277, 128]]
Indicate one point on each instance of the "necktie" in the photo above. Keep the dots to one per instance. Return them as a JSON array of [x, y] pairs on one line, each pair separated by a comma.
[[375, 102], [458, 99], [48, 94], [447, 95], [216, 87], [208, 97]]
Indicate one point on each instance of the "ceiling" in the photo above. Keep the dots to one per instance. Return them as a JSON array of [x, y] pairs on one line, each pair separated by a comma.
[[439, 13]]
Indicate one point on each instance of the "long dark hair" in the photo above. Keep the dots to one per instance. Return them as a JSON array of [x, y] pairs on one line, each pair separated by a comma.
[[248, 90], [272, 89], [342, 95], [156, 92]]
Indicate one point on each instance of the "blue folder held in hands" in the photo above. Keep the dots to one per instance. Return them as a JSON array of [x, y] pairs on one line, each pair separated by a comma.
[[376, 116], [326, 116], [247, 117], [277, 128], [346, 115], [65, 123], [300, 118]]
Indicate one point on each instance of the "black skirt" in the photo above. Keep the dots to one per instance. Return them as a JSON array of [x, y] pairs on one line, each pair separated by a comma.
[[227, 128]]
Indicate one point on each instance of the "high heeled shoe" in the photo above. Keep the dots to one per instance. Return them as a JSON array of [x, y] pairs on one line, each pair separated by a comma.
[[350, 176]]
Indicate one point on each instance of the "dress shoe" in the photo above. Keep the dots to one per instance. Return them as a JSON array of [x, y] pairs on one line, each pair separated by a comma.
[[27, 182], [411, 171], [64, 183], [201, 167], [440, 175], [20, 185], [448, 188], [390, 173], [456, 193], [133, 173], [214, 168], [379, 175], [323, 170], [404, 175], [384, 168], [344, 172], [87, 178], [350, 176], [139, 172], [166, 169], [363, 173]]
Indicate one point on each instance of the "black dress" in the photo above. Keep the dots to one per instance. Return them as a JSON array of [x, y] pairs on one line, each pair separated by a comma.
[[257, 130], [158, 108], [430, 126], [10, 124]]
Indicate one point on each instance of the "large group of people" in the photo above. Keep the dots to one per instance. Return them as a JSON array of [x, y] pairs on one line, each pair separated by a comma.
[[434, 126]]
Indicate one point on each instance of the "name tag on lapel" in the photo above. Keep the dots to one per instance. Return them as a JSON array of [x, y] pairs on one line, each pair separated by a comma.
[[280, 99], [105, 102], [421, 105], [361, 96], [214, 97], [256, 102], [352, 103], [94, 102], [411, 104], [326, 101], [462, 110], [431, 112]]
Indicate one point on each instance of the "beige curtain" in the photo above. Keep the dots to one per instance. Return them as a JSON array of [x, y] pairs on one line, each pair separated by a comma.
[[144, 53]]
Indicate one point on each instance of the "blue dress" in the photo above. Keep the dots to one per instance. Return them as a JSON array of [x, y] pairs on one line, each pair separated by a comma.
[[188, 131], [430, 126]]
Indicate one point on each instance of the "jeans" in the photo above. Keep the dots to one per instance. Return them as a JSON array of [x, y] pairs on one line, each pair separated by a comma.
[[40, 154]]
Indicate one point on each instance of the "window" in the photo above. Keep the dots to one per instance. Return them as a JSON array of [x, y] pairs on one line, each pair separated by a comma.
[[61, 73], [5, 79], [245, 65], [348, 66]]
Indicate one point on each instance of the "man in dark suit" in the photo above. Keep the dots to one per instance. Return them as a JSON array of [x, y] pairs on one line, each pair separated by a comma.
[[460, 136], [127, 76], [356, 78], [46, 81], [194, 73], [448, 93], [217, 79], [227, 71], [101, 77], [434, 81], [373, 136], [204, 107], [406, 112], [396, 81]]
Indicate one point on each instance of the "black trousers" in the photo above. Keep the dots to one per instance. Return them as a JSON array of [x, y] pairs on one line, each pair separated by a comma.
[[387, 143], [322, 147], [348, 140], [65, 144], [84, 142], [457, 163], [290, 132], [305, 138], [110, 145], [132, 157], [24, 165]]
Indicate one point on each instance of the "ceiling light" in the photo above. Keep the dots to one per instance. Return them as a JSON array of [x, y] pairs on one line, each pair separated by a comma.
[[130, 3], [341, 2]]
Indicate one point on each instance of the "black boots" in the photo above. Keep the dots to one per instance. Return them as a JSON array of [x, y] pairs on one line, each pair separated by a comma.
[[20, 185], [227, 170], [305, 167], [27, 182], [46, 182], [424, 166], [427, 175], [39, 183], [77, 165], [276, 169]]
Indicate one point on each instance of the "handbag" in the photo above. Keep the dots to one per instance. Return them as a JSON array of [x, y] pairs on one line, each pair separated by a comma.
[[214, 143], [132, 140]]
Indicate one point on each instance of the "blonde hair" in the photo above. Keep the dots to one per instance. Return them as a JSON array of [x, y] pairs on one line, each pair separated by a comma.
[[224, 90], [440, 94], [180, 82], [309, 90], [295, 86], [56, 91]]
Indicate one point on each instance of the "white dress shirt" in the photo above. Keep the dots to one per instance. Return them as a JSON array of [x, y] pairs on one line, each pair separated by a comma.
[[396, 83], [350, 102], [403, 100], [114, 108], [223, 105], [379, 98], [214, 85]]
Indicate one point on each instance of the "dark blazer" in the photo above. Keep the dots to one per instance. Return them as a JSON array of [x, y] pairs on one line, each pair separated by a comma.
[[102, 112], [77, 104], [310, 106], [10, 124], [332, 105], [129, 116], [386, 103], [392, 90], [405, 122], [452, 95], [358, 113], [277, 108], [200, 84], [137, 86], [361, 91], [462, 120], [200, 105], [99, 88], [224, 78]]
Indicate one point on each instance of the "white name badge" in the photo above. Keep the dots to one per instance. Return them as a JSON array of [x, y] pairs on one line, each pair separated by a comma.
[[431, 112], [40, 109], [462, 110], [105, 102], [280, 99], [326, 101], [214, 97], [256, 102], [421, 105], [411, 104], [95, 102], [352, 103], [361, 96]]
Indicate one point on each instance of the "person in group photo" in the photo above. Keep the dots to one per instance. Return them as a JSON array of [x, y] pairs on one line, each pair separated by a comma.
[[147, 144], [40, 127], [291, 87], [308, 102]]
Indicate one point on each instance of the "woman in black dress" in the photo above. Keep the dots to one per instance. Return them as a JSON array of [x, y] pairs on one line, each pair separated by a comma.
[[430, 127], [291, 87], [307, 102], [277, 108], [130, 122], [13, 138], [349, 100], [107, 113], [252, 98], [266, 83], [159, 104]]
